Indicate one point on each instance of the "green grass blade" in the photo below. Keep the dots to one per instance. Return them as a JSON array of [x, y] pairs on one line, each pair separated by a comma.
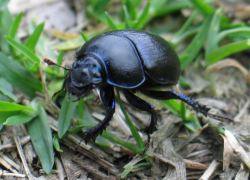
[[172, 105], [111, 22], [59, 61], [127, 170], [185, 26], [137, 2], [24, 117], [132, 128], [143, 17], [84, 36], [7, 106], [213, 32], [5, 25], [108, 135], [6, 89], [66, 113], [87, 120], [170, 7], [232, 32], [23, 49], [202, 7], [100, 4], [132, 12], [19, 77], [56, 144], [197, 43], [34, 37], [15, 25], [41, 138], [227, 50], [157, 4], [126, 18]]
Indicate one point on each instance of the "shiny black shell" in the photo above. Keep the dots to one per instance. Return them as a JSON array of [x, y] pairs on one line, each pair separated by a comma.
[[134, 58]]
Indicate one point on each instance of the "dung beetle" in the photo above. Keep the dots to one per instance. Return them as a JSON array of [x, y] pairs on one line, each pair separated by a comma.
[[130, 60]]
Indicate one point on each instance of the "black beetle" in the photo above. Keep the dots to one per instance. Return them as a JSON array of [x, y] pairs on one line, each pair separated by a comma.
[[131, 60]]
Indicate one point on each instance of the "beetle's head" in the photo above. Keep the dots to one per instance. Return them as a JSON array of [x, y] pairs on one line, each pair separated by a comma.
[[84, 75]]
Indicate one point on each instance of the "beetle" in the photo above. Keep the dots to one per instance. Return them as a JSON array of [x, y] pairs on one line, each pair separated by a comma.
[[130, 60]]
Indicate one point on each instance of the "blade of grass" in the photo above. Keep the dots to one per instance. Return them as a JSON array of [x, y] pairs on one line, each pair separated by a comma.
[[87, 120], [108, 135], [41, 138], [67, 45], [19, 77], [6, 89], [24, 117], [203, 7], [168, 8], [172, 105], [5, 25], [127, 170], [126, 18], [100, 4], [213, 32], [143, 17], [185, 26], [34, 37], [56, 143], [99, 16], [84, 36], [15, 25], [231, 32], [132, 11], [179, 109], [111, 22], [137, 2], [132, 128], [59, 61], [197, 43], [227, 50], [23, 49], [7, 106], [66, 113]]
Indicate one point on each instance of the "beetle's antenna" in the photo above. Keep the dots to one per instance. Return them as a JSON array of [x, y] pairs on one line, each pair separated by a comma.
[[49, 62]]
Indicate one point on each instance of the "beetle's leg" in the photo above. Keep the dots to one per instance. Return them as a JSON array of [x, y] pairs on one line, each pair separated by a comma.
[[166, 95], [144, 106], [108, 99]]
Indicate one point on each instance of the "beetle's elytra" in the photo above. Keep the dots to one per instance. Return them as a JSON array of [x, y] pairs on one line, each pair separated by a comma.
[[131, 60]]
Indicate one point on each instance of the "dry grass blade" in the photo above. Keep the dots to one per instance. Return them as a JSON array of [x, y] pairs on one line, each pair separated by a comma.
[[7, 165], [212, 167], [237, 147], [21, 154], [194, 165], [67, 163], [10, 161], [227, 63], [24, 140], [59, 168], [227, 154], [91, 169], [243, 173], [7, 174]]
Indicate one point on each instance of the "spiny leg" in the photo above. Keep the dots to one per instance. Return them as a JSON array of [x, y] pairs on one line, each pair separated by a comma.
[[166, 95], [108, 99], [144, 106]]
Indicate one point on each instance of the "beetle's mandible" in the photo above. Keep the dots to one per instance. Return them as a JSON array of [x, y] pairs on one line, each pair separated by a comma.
[[133, 61]]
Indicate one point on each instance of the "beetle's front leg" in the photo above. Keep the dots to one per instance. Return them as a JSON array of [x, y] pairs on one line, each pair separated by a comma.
[[108, 99], [144, 106]]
